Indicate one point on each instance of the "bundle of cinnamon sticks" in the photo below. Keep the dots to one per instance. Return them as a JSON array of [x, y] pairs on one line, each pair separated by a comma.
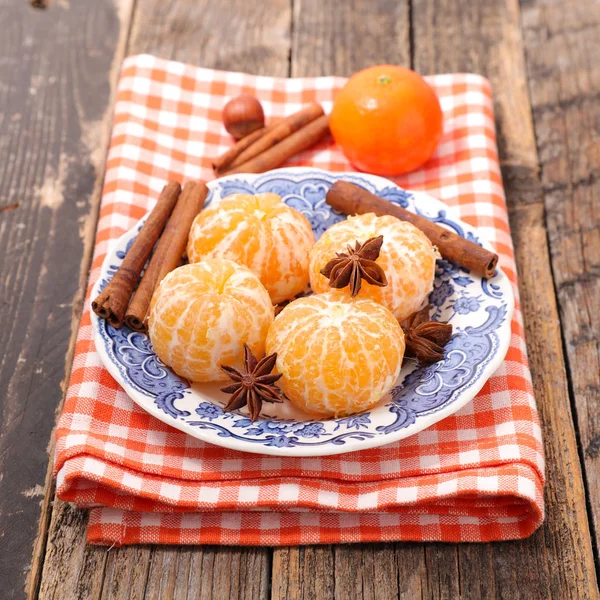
[[170, 220], [269, 147]]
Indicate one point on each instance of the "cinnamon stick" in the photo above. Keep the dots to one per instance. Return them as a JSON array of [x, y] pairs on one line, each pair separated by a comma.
[[276, 155], [352, 199], [277, 133], [112, 302], [168, 253], [222, 162]]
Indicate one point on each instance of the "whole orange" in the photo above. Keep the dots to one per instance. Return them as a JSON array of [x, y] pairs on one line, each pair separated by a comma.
[[387, 120]]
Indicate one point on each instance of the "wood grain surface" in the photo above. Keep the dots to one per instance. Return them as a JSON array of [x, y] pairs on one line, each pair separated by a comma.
[[563, 45], [54, 126], [55, 86], [236, 35], [339, 38]]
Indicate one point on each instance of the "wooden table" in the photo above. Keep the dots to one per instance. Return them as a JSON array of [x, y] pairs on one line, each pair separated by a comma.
[[58, 68]]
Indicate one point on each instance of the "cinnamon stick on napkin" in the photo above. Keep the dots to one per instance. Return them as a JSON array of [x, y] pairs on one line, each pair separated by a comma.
[[270, 147]]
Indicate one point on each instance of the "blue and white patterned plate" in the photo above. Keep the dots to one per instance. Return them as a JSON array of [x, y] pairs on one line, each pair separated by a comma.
[[480, 311]]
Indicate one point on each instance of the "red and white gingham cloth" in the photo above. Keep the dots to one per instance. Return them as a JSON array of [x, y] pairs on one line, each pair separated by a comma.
[[475, 476]]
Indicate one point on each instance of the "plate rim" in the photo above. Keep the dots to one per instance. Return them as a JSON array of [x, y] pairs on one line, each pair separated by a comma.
[[211, 437]]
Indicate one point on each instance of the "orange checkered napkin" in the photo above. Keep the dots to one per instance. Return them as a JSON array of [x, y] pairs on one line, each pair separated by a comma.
[[475, 476]]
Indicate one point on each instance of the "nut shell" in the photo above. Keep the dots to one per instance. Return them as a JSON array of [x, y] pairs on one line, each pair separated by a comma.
[[242, 115]]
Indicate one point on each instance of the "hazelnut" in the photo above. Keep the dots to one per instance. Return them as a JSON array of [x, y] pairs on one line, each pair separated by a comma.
[[242, 115]]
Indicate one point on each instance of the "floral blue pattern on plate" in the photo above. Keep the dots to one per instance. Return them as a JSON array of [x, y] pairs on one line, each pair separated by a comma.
[[480, 311]]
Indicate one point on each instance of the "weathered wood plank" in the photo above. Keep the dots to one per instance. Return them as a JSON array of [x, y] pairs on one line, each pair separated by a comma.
[[303, 573], [68, 557], [378, 571], [55, 83], [473, 560], [234, 35], [441, 578], [125, 573], [340, 38], [562, 42], [557, 561], [239, 36], [369, 571], [484, 37], [198, 573], [333, 38]]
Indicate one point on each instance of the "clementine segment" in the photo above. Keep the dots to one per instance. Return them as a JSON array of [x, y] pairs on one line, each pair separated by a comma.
[[260, 232], [202, 314], [407, 258], [387, 120], [337, 355]]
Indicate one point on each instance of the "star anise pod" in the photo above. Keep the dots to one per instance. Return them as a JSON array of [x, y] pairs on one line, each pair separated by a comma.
[[350, 268], [253, 385], [425, 339]]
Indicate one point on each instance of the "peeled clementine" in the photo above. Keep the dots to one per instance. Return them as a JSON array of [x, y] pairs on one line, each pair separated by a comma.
[[202, 314], [260, 232], [337, 355], [387, 120], [407, 258]]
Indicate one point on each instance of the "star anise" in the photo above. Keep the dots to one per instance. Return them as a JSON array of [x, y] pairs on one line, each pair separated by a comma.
[[425, 339], [253, 385], [350, 268]]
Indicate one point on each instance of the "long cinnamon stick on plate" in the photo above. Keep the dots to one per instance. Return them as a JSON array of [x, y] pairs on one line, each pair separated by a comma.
[[277, 133], [272, 158], [352, 199], [168, 253], [222, 162], [112, 302]]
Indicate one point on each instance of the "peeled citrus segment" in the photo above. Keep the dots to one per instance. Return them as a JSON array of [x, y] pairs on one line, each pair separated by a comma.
[[202, 314], [407, 257], [260, 232], [337, 355]]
